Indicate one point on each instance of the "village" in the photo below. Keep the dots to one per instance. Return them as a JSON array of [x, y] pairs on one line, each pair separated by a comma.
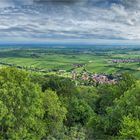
[[83, 77], [125, 60], [95, 79]]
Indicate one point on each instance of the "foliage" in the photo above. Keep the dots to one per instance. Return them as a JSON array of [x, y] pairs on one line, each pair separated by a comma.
[[130, 128], [125, 105], [79, 112], [111, 107], [21, 106], [55, 113], [40, 107], [76, 132], [63, 86], [89, 95]]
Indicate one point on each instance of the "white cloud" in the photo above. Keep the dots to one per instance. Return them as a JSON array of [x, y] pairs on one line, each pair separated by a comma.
[[117, 21]]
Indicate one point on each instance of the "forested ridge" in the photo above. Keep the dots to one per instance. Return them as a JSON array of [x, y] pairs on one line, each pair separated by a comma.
[[41, 107]]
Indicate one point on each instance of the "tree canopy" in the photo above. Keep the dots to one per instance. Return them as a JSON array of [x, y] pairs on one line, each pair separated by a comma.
[[38, 107]]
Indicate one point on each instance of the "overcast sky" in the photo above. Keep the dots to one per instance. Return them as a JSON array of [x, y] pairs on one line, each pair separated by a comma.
[[69, 20]]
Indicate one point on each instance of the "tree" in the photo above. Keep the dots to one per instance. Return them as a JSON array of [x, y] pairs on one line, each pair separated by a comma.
[[55, 114], [76, 133], [63, 86], [130, 128], [109, 93], [79, 112], [114, 103], [106, 95], [126, 82], [21, 106], [125, 105], [89, 95]]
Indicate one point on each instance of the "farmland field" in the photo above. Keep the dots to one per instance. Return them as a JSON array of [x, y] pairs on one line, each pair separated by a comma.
[[96, 59]]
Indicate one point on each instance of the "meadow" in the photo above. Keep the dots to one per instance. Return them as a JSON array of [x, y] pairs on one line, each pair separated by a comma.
[[96, 59]]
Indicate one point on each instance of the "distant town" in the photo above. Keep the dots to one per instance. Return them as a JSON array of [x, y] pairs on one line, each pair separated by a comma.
[[125, 60]]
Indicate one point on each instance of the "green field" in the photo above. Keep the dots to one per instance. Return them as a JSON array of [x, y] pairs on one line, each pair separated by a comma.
[[96, 60]]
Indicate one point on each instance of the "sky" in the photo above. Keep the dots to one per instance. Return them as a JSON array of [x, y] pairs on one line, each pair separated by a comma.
[[87, 21]]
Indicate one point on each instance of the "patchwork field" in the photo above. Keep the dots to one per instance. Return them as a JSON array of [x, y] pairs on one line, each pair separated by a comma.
[[95, 59]]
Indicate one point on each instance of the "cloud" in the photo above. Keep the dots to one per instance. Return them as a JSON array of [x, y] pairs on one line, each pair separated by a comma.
[[71, 19]]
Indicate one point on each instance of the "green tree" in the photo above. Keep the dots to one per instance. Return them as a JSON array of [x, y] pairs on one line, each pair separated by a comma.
[[89, 95], [130, 128], [55, 114], [126, 82], [63, 86], [79, 112], [21, 106], [76, 132], [106, 95], [125, 105], [109, 93], [113, 104]]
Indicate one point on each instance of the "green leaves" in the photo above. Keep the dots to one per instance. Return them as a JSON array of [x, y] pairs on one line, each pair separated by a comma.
[[21, 105], [130, 127], [63, 111], [125, 105], [79, 112], [55, 113]]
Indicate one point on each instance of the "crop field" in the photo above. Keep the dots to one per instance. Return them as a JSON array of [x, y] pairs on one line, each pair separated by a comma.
[[95, 60]]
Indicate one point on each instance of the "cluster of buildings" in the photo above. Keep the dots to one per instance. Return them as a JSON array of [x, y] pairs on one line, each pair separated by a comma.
[[125, 60], [97, 78], [78, 65], [104, 79]]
